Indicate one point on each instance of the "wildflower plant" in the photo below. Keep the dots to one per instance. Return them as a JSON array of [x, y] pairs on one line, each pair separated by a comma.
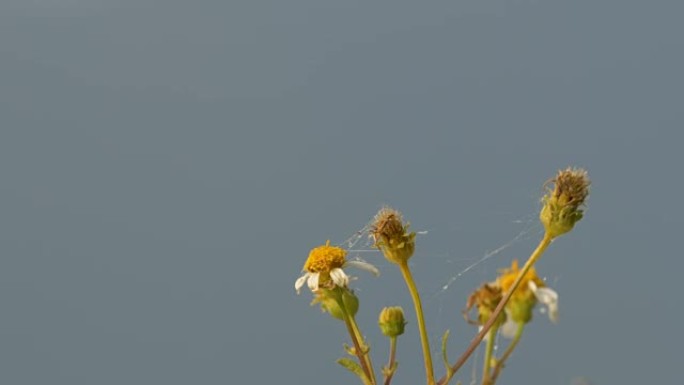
[[502, 306]]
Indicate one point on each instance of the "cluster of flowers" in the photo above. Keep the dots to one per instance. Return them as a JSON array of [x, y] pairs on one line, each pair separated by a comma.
[[504, 305]]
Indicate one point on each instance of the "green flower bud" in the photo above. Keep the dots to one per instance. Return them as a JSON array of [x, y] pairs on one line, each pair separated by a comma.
[[391, 321], [331, 299]]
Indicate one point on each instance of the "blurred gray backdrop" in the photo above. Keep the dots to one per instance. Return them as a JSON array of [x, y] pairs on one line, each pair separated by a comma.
[[167, 165]]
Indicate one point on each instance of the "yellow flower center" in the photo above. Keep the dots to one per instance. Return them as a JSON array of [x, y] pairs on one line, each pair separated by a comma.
[[323, 259]]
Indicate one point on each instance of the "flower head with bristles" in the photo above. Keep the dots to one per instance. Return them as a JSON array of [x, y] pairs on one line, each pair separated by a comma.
[[392, 236], [563, 202], [323, 268]]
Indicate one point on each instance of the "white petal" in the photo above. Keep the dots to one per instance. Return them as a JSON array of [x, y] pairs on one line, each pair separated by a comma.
[[553, 312], [300, 281], [486, 337], [364, 266], [548, 297], [339, 278], [313, 281], [509, 328]]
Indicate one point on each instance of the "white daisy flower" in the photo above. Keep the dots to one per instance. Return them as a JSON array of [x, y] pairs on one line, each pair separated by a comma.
[[324, 268]]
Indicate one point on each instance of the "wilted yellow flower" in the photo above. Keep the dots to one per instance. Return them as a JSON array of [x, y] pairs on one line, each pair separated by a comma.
[[486, 298], [562, 202], [324, 266], [392, 237], [531, 289]]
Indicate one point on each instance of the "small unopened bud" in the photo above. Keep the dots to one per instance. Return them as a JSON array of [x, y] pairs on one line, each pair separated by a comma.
[[392, 237], [563, 202], [391, 321]]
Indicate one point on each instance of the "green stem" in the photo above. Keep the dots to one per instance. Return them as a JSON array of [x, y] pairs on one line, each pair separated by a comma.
[[543, 244], [500, 364], [392, 359], [489, 349], [359, 354], [365, 351], [406, 272], [349, 322]]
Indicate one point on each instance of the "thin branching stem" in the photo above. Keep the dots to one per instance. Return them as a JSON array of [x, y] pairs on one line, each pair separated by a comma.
[[489, 350], [364, 347], [509, 350], [391, 361], [353, 334], [358, 351], [543, 244]]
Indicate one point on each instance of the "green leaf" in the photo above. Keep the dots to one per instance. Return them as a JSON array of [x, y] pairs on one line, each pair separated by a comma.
[[355, 368], [445, 358]]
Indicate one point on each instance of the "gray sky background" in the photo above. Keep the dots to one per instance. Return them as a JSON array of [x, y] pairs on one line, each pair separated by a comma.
[[167, 165]]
